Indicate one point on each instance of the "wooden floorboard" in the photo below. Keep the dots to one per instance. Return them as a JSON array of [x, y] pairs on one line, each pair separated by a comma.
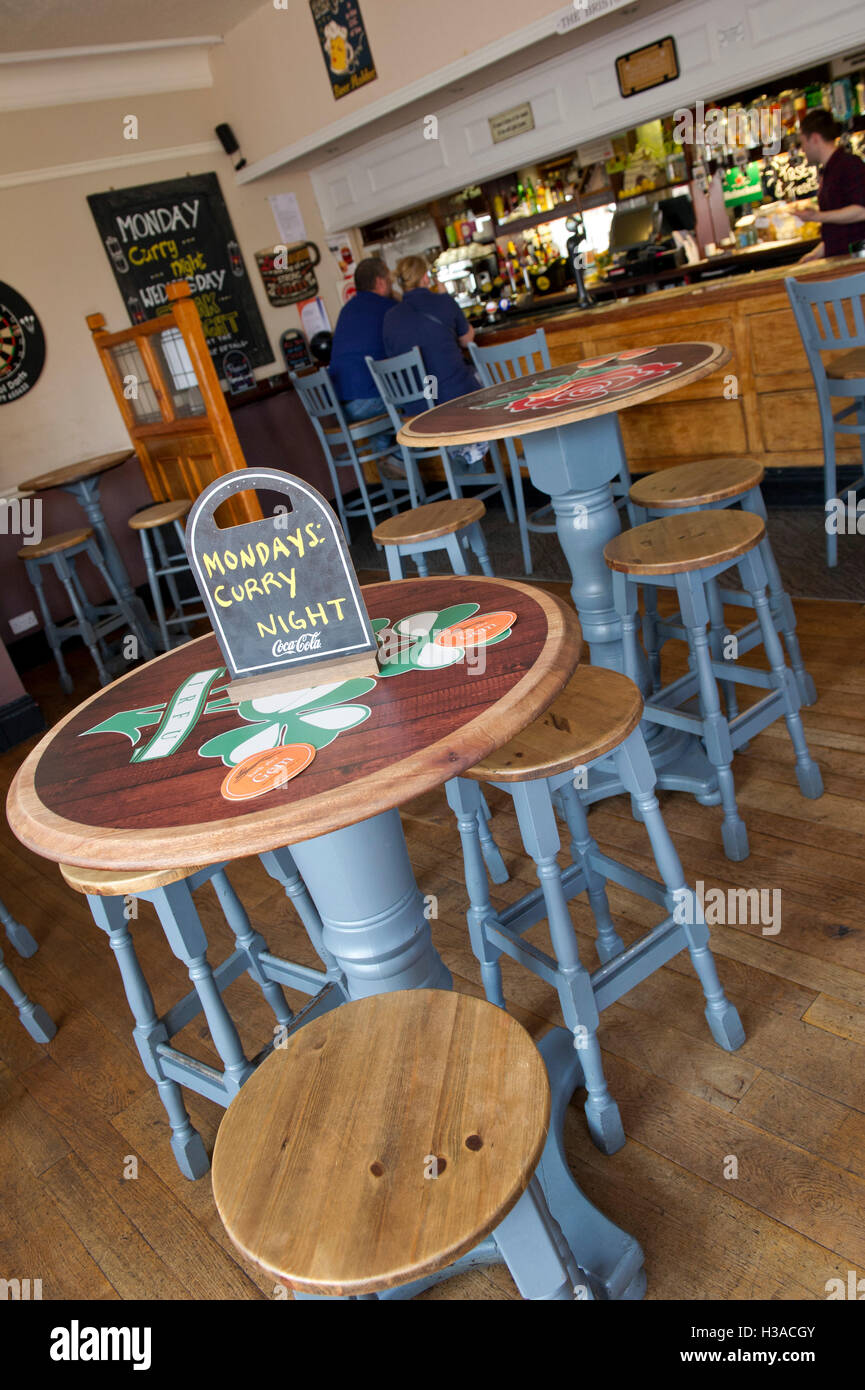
[[744, 1173]]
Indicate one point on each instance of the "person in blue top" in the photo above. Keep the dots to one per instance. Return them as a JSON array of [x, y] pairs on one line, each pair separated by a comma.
[[437, 325], [358, 333]]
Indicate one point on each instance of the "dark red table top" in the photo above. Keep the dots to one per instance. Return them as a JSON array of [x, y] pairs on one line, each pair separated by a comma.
[[160, 771]]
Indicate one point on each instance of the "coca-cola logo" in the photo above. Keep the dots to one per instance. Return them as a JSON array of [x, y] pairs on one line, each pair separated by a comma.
[[308, 642]]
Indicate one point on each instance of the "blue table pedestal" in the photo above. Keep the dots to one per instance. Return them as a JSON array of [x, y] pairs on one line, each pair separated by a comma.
[[575, 464]]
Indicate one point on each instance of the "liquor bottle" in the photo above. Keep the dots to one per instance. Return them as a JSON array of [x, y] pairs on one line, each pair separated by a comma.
[[499, 208], [521, 200], [531, 198]]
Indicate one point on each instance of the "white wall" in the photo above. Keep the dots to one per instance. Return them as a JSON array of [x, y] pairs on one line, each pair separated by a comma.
[[722, 48]]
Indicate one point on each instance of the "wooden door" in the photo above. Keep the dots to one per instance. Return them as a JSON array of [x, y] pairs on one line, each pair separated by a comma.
[[166, 387]]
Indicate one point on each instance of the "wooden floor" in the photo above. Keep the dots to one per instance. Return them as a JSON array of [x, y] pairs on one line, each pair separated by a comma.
[[788, 1107]]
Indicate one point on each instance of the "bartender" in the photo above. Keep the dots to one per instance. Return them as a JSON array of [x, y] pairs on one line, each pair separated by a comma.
[[841, 197]]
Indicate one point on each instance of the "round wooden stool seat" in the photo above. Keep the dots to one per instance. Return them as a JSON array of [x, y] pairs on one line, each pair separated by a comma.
[[52, 545], [594, 713], [160, 514], [675, 544], [427, 522], [323, 1169], [108, 883], [697, 484]]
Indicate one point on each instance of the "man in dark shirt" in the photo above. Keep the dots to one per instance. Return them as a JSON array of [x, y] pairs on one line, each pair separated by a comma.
[[358, 333], [437, 325], [841, 198]]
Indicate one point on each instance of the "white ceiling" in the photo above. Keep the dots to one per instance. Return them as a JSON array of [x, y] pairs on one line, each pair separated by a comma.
[[32, 25]]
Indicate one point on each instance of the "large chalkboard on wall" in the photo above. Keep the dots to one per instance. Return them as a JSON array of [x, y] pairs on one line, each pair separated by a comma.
[[180, 230]]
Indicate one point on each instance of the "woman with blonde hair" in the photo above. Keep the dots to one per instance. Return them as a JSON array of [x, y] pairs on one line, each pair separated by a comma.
[[437, 325]]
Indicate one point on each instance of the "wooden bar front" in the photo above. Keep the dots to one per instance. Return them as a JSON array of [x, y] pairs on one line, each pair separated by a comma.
[[763, 404]]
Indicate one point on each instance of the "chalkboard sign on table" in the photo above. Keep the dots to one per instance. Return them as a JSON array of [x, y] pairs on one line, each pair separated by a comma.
[[281, 593], [180, 230]]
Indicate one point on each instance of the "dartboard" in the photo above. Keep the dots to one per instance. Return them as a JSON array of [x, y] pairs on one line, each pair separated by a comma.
[[22, 345]]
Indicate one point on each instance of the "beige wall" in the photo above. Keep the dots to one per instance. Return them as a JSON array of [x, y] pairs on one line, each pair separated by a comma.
[[51, 253], [271, 73]]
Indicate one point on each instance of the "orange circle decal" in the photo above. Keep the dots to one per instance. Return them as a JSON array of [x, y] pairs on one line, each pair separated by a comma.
[[475, 632], [263, 772]]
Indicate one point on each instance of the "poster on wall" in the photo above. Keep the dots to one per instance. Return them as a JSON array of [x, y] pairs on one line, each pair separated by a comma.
[[344, 45], [180, 230], [288, 272], [22, 346]]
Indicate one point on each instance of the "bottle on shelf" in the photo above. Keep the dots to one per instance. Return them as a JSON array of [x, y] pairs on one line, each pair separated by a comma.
[[499, 208], [531, 198]]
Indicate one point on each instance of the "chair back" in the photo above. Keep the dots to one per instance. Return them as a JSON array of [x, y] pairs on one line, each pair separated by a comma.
[[317, 394], [829, 315], [503, 362], [403, 384]]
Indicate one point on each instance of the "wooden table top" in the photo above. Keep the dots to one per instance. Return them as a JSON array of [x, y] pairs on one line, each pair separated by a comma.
[[76, 472], [564, 395], [158, 770]]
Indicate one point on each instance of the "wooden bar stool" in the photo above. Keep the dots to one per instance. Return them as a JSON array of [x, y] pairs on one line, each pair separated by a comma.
[[167, 565], [714, 484], [594, 724], [34, 1018], [453, 526], [110, 896], [91, 622], [686, 553], [387, 1141]]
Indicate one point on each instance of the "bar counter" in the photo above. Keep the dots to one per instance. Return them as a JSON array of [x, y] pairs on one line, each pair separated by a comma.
[[762, 405]]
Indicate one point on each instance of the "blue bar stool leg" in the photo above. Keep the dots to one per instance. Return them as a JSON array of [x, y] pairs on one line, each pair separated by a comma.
[[17, 933], [491, 852], [394, 562], [498, 469], [186, 937], [638, 775], [650, 634], [420, 561], [34, 574], [717, 633], [576, 996], [583, 846], [181, 537], [149, 1031], [754, 579], [464, 800], [251, 943], [34, 1018], [520, 501], [280, 864], [61, 565], [165, 563], [830, 483], [479, 546], [117, 598], [782, 605], [716, 732], [455, 553], [155, 591]]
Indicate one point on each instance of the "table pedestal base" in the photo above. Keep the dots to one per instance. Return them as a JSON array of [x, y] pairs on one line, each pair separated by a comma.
[[679, 760], [371, 908]]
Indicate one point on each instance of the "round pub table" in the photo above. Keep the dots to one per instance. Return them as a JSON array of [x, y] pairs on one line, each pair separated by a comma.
[[567, 419], [83, 481], [159, 770]]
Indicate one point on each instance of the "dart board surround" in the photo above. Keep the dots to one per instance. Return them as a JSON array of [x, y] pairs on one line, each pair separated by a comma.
[[22, 346]]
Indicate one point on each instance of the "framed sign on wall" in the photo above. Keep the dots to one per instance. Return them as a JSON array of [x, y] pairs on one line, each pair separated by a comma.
[[344, 45], [648, 67], [180, 229]]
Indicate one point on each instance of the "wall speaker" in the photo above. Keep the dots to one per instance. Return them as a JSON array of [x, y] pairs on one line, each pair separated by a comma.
[[227, 140]]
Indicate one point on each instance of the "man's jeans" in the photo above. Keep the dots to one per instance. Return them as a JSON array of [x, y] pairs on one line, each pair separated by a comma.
[[362, 410]]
